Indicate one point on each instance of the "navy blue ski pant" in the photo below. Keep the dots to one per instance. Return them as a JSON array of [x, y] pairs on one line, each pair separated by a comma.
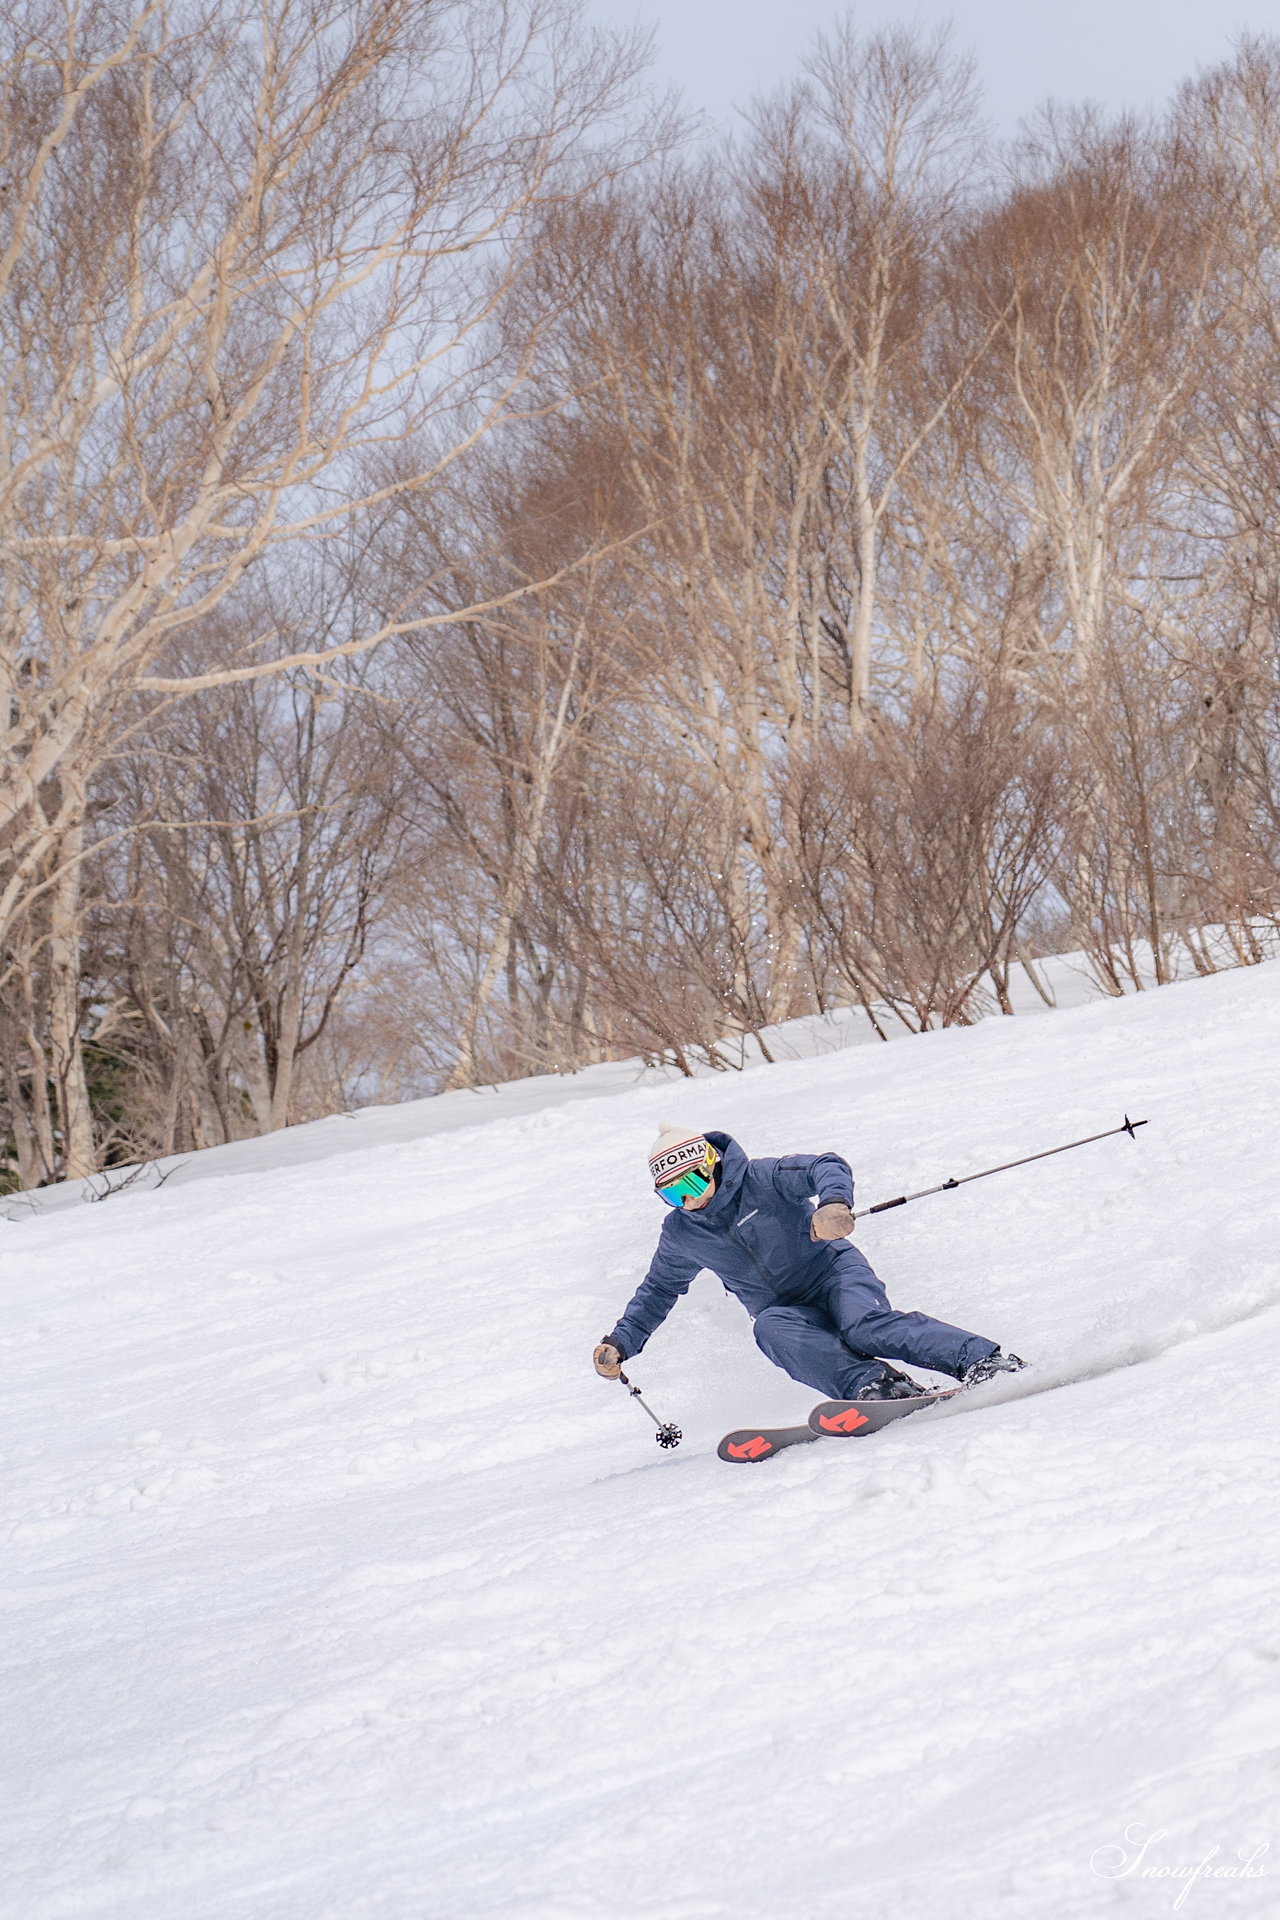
[[832, 1338]]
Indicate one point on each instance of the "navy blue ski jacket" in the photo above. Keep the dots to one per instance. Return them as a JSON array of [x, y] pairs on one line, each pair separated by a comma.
[[754, 1234]]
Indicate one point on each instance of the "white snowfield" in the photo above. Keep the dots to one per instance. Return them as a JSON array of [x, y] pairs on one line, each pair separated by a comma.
[[337, 1585]]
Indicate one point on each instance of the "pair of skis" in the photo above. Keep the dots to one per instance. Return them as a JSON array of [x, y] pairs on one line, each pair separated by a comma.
[[832, 1420]]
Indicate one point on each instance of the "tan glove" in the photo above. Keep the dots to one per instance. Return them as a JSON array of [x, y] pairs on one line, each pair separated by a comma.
[[607, 1361], [831, 1222]]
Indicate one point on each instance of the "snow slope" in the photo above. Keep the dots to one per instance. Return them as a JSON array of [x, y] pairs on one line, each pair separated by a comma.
[[296, 1627]]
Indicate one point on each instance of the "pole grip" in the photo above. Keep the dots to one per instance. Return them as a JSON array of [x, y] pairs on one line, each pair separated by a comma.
[[883, 1206]]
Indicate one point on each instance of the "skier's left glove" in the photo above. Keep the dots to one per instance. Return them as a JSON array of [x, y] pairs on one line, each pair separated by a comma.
[[832, 1221]]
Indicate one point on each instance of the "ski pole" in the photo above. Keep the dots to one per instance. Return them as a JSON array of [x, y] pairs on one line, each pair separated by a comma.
[[1130, 1127], [668, 1434]]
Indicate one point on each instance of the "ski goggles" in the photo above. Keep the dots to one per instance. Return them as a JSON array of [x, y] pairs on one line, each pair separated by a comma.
[[688, 1182]]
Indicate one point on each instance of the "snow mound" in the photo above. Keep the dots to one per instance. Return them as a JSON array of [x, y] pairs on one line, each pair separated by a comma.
[[339, 1585]]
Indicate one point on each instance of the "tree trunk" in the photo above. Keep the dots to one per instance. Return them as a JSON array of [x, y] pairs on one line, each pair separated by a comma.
[[75, 1117]]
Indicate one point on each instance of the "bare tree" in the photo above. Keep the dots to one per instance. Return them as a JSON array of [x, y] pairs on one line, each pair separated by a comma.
[[252, 274], [757, 329], [923, 855], [231, 937]]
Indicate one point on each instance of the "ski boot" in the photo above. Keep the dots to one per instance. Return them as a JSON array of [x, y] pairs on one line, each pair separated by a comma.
[[892, 1385], [987, 1369]]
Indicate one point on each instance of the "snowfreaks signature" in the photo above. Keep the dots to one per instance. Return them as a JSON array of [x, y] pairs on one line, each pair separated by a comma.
[[774, 1231], [1117, 1863]]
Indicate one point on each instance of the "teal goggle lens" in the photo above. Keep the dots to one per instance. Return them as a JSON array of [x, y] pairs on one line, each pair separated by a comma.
[[690, 1185]]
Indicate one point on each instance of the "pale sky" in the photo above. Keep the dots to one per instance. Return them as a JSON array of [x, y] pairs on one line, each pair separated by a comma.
[[1121, 53]]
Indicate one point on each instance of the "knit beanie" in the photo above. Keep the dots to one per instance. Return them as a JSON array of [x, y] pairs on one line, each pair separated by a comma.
[[675, 1149]]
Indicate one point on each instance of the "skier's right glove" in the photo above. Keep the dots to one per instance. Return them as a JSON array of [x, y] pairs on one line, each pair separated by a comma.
[[607, 1361], [834, 1221]]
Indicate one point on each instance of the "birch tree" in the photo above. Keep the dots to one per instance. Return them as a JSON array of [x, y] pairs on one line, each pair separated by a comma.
[[254, 264]]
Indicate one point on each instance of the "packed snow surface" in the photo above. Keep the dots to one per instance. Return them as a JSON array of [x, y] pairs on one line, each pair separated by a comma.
[[338, 1585]]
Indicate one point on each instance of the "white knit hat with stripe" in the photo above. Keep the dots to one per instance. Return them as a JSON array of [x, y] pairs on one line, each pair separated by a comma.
[[675, 1149]]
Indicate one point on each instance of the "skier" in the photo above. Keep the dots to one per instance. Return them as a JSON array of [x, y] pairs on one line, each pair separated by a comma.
[[774, 1231]]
